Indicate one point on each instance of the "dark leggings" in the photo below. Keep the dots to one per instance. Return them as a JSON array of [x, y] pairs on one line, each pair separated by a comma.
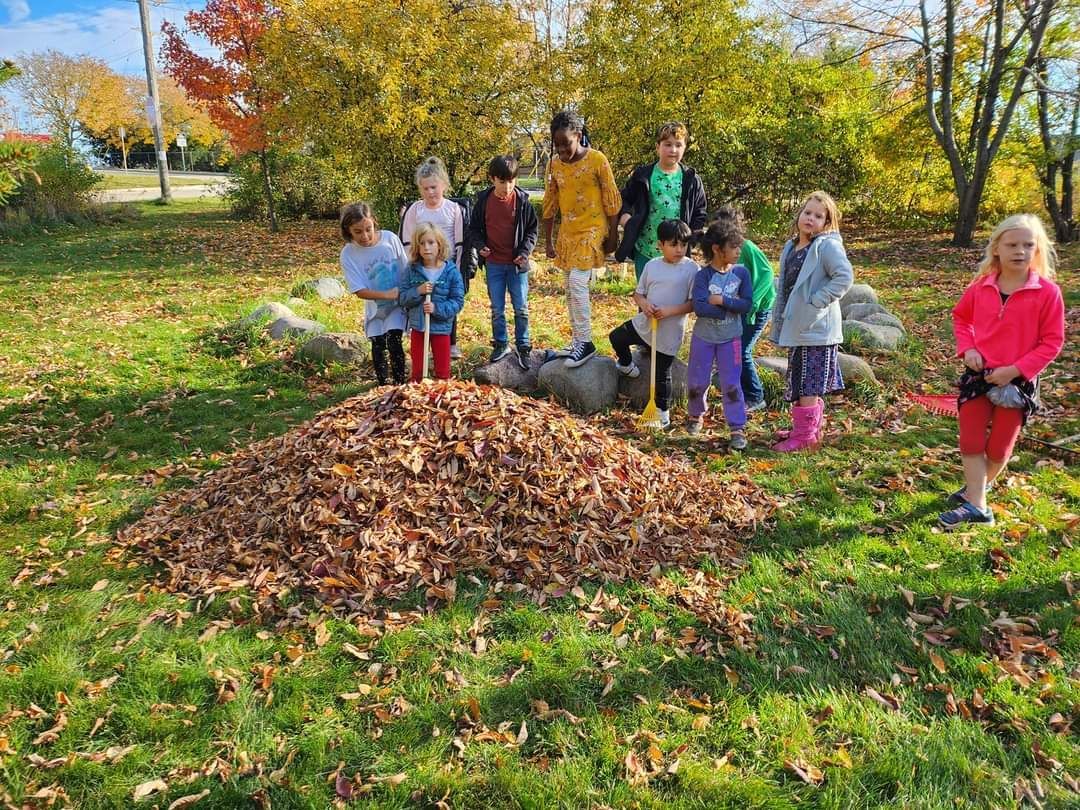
[[625, 336], [453, 328], [391, 341]]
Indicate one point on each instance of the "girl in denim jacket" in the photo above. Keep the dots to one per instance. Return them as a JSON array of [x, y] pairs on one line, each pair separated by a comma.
[[433, 286]]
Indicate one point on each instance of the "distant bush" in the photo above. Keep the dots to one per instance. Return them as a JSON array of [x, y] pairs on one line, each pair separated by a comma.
[[61, 192], [305, 187]]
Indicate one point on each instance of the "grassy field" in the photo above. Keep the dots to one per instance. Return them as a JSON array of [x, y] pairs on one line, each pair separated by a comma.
[[114, 180], [876, 672]]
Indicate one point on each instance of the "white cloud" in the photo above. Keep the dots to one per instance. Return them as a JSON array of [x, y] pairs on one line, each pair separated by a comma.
[[17, 9]]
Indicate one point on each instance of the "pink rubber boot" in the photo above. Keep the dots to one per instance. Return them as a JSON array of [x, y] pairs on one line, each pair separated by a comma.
[[803, 430], [820, 432]]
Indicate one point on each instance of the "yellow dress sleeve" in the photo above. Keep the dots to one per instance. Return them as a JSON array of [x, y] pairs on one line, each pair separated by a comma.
[[551, 195], [610, 198]]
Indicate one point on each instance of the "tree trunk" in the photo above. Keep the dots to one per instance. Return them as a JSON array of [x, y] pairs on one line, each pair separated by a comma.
[[268, 190], [968, 215]]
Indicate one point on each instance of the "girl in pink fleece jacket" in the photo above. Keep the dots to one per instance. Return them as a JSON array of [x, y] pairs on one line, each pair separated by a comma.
[[1009, 326]]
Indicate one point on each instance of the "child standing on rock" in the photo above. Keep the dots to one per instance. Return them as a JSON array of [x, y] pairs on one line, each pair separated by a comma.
[[503, 227], [663, 293], [814, 275], [373, 263], [1009, 325], [433, 286], [581, 188], [722, 292]]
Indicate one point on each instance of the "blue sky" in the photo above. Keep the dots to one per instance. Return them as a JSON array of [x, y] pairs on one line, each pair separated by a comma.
[[106, 29]]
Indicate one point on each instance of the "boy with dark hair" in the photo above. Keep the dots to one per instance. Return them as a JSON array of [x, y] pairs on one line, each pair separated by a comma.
[[503, 229], [663, 189], [663, 294]]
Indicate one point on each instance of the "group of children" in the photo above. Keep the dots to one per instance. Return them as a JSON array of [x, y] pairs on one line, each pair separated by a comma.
[[662, 211]]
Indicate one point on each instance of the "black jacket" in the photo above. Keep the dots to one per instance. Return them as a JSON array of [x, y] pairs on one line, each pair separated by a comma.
[[526, 225], [635, 197]]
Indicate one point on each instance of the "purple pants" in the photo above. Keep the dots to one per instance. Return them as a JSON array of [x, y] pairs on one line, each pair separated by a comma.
[[727, 358]]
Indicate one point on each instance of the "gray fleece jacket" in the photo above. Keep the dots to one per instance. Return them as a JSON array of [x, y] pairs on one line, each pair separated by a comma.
[[810, 316]]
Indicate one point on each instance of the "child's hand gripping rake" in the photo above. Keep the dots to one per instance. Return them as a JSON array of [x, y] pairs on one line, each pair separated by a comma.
[[650, 417], [427, 337]]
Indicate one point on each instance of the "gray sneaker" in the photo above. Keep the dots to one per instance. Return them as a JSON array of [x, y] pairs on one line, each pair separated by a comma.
[[694, 426], [498, 352], [524, 353], [755, 406], [737, 440], [632, 371], [455, 352]]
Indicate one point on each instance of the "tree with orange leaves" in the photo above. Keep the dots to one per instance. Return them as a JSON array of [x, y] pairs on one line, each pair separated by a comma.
[[229, 85]]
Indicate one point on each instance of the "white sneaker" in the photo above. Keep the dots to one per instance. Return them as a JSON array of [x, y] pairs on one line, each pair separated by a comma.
[[665, 419], [632, 371], [567, 350], [455, 352]]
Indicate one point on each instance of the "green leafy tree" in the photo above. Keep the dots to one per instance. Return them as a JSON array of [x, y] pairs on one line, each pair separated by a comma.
[[16, 157]]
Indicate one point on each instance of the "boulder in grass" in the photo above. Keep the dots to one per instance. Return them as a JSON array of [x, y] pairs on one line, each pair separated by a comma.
[[294, 326], [295, 302], [508, 374], [637, 389], [587, 389], [858, 294], [335, 347], [851, 367], [326, 288], [860, 312], [883, 319], [873, 336], [269, 311]]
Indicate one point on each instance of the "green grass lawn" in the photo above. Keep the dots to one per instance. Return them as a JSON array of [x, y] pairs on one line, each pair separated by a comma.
[[873, 676], [113, 181]]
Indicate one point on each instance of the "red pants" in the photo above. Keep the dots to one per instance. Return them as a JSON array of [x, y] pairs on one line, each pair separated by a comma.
[[985, 428], [440, 351]]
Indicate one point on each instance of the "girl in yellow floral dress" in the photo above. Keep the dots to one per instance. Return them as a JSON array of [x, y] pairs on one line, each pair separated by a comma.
[[581, 188]]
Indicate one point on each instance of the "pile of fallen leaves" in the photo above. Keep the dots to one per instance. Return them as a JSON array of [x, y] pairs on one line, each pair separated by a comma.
[[393, 490]]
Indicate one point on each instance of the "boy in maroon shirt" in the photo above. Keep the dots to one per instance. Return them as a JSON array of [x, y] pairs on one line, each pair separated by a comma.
[[504, 229]]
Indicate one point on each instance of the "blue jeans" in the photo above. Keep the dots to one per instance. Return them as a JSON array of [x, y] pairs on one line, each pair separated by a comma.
[[753, 392], [503, 279]]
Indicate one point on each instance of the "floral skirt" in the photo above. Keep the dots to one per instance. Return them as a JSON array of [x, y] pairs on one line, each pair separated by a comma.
[[813, 371]]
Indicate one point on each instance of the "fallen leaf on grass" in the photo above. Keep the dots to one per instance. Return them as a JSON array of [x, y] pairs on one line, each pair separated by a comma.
[[149, 788], [810, 774], [100, 585], [890, 702], [187, 801]]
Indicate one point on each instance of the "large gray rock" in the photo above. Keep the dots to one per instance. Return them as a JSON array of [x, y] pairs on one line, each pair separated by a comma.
[[860, 312], [858, 294], [327, 288], [853, 368], [508, 374], [637, 389], [269, 311], [586, 389], [294, 326], [335, 347], [873, 336], [883, 319], [295, 302]]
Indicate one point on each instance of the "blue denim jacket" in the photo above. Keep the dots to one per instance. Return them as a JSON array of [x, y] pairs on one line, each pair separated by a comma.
[[448, 296]]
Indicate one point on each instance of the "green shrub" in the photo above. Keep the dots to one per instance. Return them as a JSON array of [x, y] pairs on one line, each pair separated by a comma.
[[62, 190], [305, 187]]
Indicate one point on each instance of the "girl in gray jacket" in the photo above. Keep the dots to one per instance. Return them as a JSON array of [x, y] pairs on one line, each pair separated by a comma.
[[814, 275]]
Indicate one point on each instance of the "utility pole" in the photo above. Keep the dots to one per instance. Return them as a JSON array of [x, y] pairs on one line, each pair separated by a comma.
[[152, 109]]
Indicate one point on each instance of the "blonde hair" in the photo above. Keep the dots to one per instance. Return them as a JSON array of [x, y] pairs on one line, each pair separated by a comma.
[[433, 167], [1045, 256], [832, 212], [422, 230]]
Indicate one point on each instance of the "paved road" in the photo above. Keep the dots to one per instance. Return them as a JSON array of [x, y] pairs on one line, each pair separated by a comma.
[[153, 193]]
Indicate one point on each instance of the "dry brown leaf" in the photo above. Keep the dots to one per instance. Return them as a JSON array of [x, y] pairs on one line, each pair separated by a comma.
[[189, 800], [808, 773], [149, 788]]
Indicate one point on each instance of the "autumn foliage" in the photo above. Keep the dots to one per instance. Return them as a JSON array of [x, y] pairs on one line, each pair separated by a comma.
[[228, 85]]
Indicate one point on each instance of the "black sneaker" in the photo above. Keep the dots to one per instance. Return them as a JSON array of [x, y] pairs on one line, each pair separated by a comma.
[[498, 352], [965, 513], [960, 496], [580, 355], [523, 355]]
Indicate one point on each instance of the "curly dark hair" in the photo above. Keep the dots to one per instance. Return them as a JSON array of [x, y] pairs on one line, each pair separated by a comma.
[[571, 120], [720, 234]]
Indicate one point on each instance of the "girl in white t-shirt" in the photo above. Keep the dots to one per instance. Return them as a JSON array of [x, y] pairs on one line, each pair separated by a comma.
[[446, 215], [374, 263]]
